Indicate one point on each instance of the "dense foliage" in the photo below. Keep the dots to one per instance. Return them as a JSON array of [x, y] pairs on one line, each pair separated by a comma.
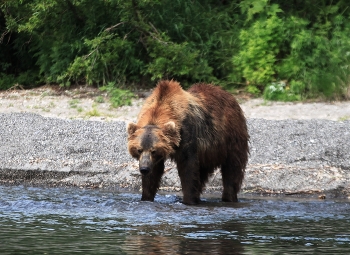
[[286, 50]]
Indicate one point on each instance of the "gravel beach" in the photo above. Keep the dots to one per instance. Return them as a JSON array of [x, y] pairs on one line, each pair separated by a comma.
[[293, 150]]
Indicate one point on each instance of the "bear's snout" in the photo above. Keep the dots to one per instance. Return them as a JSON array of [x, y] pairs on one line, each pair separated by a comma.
[[145, 163], [145, 170]]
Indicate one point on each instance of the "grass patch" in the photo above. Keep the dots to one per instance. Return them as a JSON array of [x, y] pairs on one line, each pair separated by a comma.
[[52, 105], [74, 103], [117, 97], [44, 94], [99, 99], [93, 113], [344, 118]]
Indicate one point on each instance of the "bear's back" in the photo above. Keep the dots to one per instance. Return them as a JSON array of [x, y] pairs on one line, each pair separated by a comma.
[[221, 108], [216, 124]]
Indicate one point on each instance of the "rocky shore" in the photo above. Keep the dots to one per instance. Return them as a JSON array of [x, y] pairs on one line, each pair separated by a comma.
[[288, 157]]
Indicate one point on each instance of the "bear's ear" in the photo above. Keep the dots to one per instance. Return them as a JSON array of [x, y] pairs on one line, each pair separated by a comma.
[[170, 126], [169, 129], [132, 127]]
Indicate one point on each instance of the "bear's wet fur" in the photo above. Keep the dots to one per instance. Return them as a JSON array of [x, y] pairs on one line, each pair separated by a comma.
[[200, 129]]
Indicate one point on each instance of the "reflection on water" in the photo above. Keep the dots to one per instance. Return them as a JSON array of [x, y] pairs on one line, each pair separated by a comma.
[[57, 221]]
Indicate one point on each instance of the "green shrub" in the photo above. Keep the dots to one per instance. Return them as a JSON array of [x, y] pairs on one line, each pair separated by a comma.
[[118, 97], [127, 42], [259, 48], [99, 99], [110, 58], [308, 51], [297, 87], [278, 91], [255, 42], [25, 79], [176, 61], [253, 90], [6, 81]]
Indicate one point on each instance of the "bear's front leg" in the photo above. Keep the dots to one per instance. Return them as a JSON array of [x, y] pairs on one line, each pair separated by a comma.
[[190, 181], [151, 182]]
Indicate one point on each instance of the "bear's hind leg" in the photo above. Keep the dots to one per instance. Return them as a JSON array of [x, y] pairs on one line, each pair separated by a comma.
[[151, 182], [232, 176]]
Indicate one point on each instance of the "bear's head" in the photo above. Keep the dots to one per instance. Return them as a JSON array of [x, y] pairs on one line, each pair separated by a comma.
[[151, 144]]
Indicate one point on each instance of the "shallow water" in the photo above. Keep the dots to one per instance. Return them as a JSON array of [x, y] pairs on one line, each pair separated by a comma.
[[73, 221]]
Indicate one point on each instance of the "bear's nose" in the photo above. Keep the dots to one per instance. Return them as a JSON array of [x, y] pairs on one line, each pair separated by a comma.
[[144, 170]]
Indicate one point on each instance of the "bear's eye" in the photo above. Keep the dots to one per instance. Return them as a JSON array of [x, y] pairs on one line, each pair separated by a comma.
[[139, 151], [153, 152]]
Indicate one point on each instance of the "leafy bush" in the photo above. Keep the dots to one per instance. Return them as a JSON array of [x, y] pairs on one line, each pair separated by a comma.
[[6, 81], [126, 42], [310, 54], [278, 91], [232, 43], [260, 46], [118, 97], [176, 61]]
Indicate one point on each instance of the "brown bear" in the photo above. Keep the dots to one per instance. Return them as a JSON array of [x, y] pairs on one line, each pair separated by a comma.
[[201, 129]]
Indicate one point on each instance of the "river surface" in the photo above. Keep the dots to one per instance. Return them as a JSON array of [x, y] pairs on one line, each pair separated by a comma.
[[76, 221]]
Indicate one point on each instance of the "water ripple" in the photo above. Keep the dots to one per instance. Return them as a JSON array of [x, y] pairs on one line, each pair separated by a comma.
[[111, 218]]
